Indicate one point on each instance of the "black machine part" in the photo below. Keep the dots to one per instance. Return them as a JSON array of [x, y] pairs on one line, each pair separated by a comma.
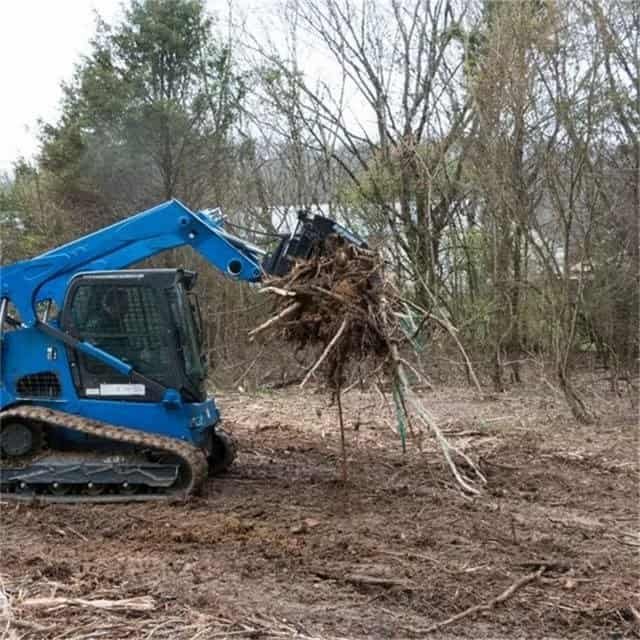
[[138, 467], [223, 452], [19, 438], [306, 240]]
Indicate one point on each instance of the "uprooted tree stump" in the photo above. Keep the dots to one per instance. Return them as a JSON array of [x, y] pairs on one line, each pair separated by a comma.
[[342, 305]]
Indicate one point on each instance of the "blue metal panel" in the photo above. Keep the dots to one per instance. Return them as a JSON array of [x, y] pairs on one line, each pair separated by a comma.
[[27, 351], [189, 422]]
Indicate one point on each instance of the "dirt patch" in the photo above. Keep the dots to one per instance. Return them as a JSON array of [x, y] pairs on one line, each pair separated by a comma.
[[279, 548]]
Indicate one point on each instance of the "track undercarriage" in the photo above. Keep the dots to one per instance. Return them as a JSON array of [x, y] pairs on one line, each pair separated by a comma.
[[141, 467]]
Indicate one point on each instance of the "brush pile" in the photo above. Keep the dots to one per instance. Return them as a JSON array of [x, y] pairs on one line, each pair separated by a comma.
[[340, 306], [338, 302]]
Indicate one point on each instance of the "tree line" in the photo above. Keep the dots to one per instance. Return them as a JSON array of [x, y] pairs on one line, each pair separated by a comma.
[[491, 149]]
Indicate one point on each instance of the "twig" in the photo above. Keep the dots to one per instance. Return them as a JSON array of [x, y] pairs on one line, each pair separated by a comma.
[[416, 373], [361, 579], [354, 384], [470, 462], [325, 353], [465, 434], [445, 447], [342, 440], [409, 554], [551, 565], [244, 374], [348, 304], [82, 537], [507, 593], [453, 332], [278, 291], [250, 632], [360, 379], [271, 321], [34, 626], [6, 613], [331, 294], [142, 603], [629, 543]]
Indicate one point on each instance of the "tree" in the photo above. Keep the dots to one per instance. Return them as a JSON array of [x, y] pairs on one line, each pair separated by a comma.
[[400, 63], [507, 144], [23, 216], [150, 111]]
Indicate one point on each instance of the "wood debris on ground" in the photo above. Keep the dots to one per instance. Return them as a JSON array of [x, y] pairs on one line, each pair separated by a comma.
[[341, 306]]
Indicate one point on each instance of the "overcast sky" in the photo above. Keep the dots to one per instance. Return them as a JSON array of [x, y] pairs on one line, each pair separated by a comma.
[[40, 41]]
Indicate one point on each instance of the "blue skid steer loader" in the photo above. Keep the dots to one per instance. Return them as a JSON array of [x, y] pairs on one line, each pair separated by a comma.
[[105, 401]]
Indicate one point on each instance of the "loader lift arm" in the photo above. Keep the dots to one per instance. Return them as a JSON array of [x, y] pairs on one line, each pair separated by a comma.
[[166, 226]]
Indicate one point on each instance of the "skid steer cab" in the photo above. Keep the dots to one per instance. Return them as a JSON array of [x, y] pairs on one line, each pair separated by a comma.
[[148, 319], [107, 401]]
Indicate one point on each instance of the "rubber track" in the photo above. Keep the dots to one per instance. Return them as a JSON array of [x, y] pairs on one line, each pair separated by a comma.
[[193, 457]]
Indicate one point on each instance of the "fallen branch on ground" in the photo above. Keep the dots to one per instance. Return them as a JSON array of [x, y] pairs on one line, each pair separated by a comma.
[[142, 603], [487, 606], [359, 579]]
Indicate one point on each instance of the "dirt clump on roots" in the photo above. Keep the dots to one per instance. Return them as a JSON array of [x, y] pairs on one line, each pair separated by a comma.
[[339, 305]]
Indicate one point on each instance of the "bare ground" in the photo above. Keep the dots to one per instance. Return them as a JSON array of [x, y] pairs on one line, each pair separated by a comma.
[[279, 548]]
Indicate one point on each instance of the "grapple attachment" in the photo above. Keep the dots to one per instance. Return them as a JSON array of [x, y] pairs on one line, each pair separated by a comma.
[[307, 240]]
